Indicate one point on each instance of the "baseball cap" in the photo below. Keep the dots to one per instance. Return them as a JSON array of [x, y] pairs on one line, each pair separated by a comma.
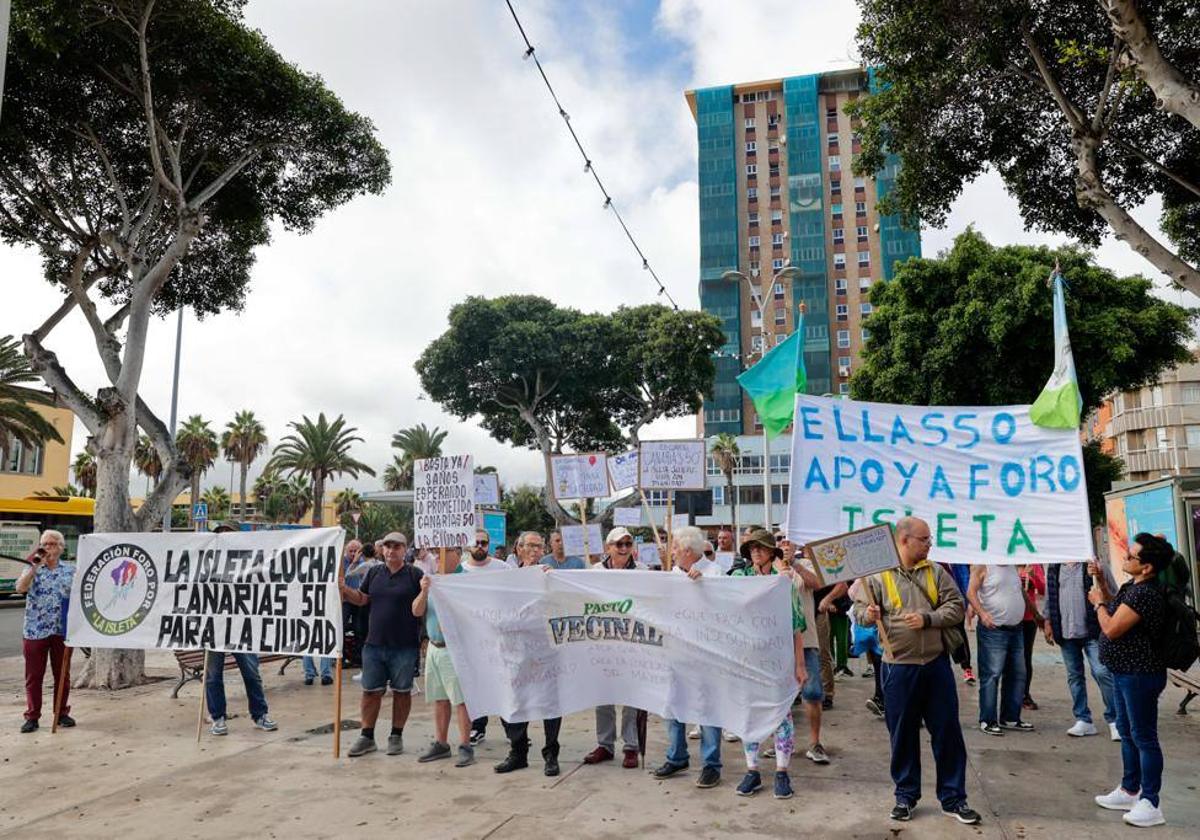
[[618, 534], [395, 537]]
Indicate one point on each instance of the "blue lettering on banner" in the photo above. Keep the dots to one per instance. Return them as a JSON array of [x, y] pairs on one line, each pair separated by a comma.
[[971, 430], [838, 463], [1007, 471], [927, 426], [867, 436], [975, 482], [1009, 421], [872, 485], [908, 476], [816, 475], [1036, 471], [899, 430], [811, 423], [940, 484], [837, 422], [1069, 484]]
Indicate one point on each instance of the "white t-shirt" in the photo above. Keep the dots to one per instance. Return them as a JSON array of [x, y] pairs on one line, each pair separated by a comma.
[[1000, 594], [491, 564]]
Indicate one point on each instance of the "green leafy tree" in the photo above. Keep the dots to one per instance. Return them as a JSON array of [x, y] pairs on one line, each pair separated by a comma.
[[347, 501], [19, 420], [726, 453], [320, 450], [218, 501], [1085, 110], [84, 470], [268, 483], [418, 442], [378, 520], [197, 446], [298, 491], [525, 512], [974, 327], [244, 439], [398, 475], [148, 148]]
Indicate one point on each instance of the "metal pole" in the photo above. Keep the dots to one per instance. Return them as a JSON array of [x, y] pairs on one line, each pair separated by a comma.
[[5, 14], [174, 405]]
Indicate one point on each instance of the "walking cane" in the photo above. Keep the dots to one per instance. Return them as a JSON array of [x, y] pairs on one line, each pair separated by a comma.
[[60, 685]]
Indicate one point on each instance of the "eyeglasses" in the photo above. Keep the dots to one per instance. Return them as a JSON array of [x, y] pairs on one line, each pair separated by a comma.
[[926, 540], [481, 543], [624, 544]]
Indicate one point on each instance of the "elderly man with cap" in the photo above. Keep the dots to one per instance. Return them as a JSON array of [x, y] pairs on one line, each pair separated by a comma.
[[618, 555], [393, 642]]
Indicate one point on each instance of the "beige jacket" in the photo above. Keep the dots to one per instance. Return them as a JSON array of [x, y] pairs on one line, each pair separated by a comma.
[[909, 587]]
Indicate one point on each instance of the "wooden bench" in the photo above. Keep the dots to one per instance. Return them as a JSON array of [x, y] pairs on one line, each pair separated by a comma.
[[191, 665], [1189, 682]]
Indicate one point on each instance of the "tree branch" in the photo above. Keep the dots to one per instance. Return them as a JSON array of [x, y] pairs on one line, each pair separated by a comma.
[[1171, 88], [224, 178], [152, 135], [118, 190], [45, 364], [1074, 117]]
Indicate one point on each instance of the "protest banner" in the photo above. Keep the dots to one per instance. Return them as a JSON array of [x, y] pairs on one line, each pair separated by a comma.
[[671, 464], [629, 517], [583, 476], [994, 487], [444, 513], [487, 489], [623, 470], [582, 540], [238, 592], [853, 555], [530, 646]]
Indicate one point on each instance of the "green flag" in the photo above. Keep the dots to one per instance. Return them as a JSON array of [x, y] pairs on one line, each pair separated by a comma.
[[1060, 404], [774, 382]]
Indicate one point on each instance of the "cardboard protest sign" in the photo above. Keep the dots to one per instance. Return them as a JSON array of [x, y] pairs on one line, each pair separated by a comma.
[[242, 591], [854, 555], [487, 489], [994, 487], [573, 537], [629, 517], [623, 470], [530, 646], [671, 465], [444, 502], [648, 555], [678, 520], [583, 476]]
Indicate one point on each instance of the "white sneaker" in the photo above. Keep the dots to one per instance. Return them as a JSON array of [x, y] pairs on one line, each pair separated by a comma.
[[1144, 815], [694, 734], [730, 737], [1082, 728], [1118, 800], [219, 727], [1113, 733]]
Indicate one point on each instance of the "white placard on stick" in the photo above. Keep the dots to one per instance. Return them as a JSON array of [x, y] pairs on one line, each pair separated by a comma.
[[583, 476], [487, 489], [573, 540], [648, 555], [623, 470], [444, 502], [629, 517], [678, 520], [854, 555], [671, 465]]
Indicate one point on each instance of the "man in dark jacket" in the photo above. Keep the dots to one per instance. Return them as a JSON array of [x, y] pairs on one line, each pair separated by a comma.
[[1072, 625]]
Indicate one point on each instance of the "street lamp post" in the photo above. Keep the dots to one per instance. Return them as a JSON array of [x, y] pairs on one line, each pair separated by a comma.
[[760, 302], [174, 409]]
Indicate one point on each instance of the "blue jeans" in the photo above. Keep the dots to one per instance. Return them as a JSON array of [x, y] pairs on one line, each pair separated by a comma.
[[214, 684], [1136, 699], [925, 694], [1001, 658], [677, 746], [389, 665], [310, 666], [1073, 653]]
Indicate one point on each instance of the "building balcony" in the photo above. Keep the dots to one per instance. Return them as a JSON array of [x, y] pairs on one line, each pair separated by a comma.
[[1155, 417], [1166, 459]]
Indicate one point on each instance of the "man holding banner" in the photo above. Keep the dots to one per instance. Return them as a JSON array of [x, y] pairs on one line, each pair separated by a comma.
[[912, 604]]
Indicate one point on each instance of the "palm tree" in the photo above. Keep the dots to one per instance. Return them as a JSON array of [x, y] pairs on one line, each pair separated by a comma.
[[60, 490], [244, 440], [18, 419], [418, 442], [217, 499], [84, 469], [347, 501], [146, 460], [320, 450], [299, 495], [398, 475], [197, 444], [726, 453]]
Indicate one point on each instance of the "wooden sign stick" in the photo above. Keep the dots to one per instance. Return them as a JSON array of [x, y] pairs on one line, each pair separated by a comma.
[[670, 529], [587, 544], [887, 646], [203, 696], [650, 519], [442, 561], [337, 672], [64, 674]]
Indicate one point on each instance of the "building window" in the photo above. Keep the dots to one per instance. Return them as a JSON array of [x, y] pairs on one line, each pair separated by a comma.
[[772, 120], [865, 308], [779, 291], [754, 265], [774, 171], [755, 318], [843, 312], [779, 339], [780, 318], [781, 464], [835, 210], [777, 263], [776, 215], [750, 122], [843, 387], [835, 163], [774, 192], [866, 335], [839, 235], [718, 492], [753, 220], [756, 343], [1163, 443], [1191, 393], [777, 239], [840, 285], [752, 194], [831, 113], [839, 262], [21, 459], [1193, 437], [751, 168], [754, 240], [864, 283], [835, 186], [860, 183], [1156, 396], [864, 258], [861, 230], [844, 362], [751, 147], [833, 139], [860, 208], [779, 494], [843, 338]]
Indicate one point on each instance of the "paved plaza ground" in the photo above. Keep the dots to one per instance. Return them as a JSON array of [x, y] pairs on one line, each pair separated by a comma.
[[132, 768]]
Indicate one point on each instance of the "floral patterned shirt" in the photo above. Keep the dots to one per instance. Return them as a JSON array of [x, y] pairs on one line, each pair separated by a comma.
[[45, 603]]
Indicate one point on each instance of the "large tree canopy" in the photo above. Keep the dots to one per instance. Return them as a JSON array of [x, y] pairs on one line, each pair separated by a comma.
[[555, 379], [146, 149], [1086, 109]]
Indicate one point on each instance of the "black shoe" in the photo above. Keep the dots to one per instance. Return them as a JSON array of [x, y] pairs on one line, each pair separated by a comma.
[[709, 777], [667, 770], [29, 726], [326, 680], [550, 756], [514, 761], [902, 812], [827, 703], [1017, 726], [963, 814], [308, 680], [66, 720], [990, 728]]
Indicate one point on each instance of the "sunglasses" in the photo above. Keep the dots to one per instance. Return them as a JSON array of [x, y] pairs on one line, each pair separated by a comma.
[[624, 544], [482, 543]]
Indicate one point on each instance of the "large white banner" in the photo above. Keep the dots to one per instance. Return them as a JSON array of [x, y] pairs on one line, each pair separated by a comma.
[[240, 592], [532, 645], [993, 487]]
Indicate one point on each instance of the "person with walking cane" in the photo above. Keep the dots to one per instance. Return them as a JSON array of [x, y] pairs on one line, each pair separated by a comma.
[[46, 585]]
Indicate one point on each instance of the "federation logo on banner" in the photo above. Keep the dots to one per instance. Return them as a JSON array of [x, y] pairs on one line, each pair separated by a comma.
[[119, 589]]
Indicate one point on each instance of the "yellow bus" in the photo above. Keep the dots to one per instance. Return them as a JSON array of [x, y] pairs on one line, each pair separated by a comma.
[[23, 520]]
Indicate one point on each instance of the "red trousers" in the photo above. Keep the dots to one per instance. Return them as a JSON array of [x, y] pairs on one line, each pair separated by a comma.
[[36, 653]]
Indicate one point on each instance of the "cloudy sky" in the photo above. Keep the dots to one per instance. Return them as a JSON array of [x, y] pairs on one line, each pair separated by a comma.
[[488, 196]]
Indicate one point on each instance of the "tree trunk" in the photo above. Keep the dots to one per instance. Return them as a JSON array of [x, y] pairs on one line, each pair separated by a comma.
[[195, 494], [318, 499], [731, 492], [1171, 88], [245, 468]]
